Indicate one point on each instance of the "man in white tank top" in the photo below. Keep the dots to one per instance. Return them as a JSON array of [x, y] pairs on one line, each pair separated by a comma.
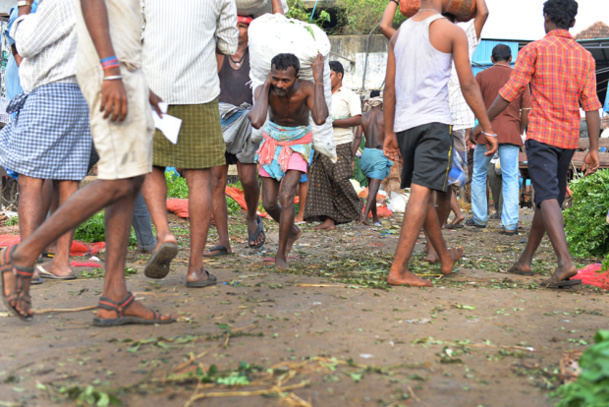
[[417, 124]]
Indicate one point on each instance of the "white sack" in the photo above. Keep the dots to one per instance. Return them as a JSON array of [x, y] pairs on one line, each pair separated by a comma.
[[397, 202], [258, 7], [273, 34]]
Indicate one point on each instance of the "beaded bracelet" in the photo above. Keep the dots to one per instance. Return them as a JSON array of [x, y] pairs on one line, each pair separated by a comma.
[[110, 62]]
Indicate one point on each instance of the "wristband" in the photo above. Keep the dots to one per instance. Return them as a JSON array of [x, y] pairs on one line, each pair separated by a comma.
[[110, 62], [490, 134], [113, 78], [395, 1], [24, 3]]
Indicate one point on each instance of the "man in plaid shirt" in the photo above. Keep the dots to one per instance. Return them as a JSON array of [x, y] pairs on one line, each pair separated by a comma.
[[562, 77]]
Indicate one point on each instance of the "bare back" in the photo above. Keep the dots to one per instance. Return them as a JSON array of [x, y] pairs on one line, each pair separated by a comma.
[[373, 126]]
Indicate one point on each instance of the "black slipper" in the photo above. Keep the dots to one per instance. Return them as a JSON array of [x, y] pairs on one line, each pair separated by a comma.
[[211, 280], [252, 237], [561, 284], [453, 226], [470, 222], [222, 251], [158, 264]]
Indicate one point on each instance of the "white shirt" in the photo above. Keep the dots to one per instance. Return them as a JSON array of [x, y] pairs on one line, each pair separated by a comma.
[[180, 39], [463, 117], [47, 42], [345, 104]]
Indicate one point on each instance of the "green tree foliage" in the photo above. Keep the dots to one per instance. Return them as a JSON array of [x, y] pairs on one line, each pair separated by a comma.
[[298, 11], [592, 386], [585, 222], [361, 16]]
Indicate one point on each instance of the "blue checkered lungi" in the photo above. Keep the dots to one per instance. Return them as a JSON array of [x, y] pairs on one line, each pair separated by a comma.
[[50, 137]]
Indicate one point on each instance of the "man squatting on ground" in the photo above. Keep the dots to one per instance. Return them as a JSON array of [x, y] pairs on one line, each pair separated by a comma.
[[235, 104], [286, 148], [331, 198], [509, 126], [562, 76], [50, 136], [108, 63], [417, 124], [188, 81], [462, 119], [375, 165]]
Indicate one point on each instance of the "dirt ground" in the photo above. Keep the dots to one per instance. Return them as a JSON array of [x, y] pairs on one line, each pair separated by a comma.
[[327, 332]]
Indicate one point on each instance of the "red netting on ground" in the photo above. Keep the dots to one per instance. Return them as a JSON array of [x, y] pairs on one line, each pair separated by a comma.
[[591, 275], [382, 211], [78, 248]]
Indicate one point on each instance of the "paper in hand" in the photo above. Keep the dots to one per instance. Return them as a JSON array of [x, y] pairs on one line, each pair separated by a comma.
[[169, 125]]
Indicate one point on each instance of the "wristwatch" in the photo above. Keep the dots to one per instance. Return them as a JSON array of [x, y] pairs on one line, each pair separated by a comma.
[[22, 3]]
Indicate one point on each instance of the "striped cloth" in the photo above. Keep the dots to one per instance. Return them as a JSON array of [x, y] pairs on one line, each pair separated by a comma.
[[195, 28], [200, 144], [50, 138]]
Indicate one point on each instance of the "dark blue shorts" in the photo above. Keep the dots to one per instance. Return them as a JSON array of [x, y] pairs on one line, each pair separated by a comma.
[[548, 169]]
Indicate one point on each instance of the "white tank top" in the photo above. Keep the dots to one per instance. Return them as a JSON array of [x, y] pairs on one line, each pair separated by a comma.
[[421, 81]]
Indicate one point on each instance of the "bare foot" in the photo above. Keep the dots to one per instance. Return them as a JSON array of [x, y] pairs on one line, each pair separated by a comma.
[[455, 254], [281, 264], [521, 269], [407, 278], [252, 227], [294, 236], [432, 256], [363, 221], [299, 219], [136, 309], [376, 221], [328, 224]]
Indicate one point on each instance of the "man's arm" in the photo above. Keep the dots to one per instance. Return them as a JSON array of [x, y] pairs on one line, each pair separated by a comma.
[[260, 110], [390, 145], [227, 33], [591, 162], [524, 120], [277, 7], [35, 32], [387, 19], [481, 16], [114, 97], [348, 122], [357, 139], [317, 104], [470, 88]]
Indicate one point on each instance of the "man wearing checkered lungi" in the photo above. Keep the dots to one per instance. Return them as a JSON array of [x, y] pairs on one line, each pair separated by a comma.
[[188, 81], [49, 137], [108, 65]]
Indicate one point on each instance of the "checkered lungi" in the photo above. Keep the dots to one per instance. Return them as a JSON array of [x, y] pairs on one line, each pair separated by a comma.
[[200, 144], [331, 194], [50, 137]]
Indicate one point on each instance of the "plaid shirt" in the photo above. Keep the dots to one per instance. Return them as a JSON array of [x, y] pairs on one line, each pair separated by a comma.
[[562, 75]]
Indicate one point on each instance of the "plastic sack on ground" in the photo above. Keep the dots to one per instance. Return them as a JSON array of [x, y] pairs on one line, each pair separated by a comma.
[[397, 202], [274, 34]]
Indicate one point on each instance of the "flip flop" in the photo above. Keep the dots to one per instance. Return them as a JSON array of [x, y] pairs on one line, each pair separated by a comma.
[[158, 264], [46, 274], [211, 280], [253, 237], [222, 251], [453, 226], [561, 285], [119, 308]]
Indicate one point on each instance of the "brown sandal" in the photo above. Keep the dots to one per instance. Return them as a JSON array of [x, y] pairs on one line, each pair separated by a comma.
[[121, 319], [21, 275]]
